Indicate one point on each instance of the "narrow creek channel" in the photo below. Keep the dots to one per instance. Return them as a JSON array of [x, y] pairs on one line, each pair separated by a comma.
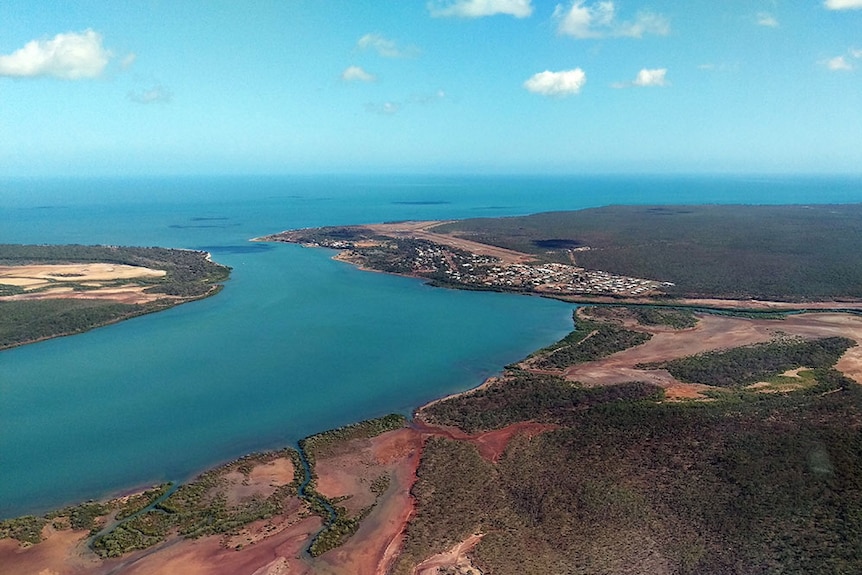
[[313, 498], [305, 491], [151, 507]]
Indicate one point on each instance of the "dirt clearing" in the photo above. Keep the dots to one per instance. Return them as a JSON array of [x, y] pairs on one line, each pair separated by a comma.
[[103, 281], [716, 333]]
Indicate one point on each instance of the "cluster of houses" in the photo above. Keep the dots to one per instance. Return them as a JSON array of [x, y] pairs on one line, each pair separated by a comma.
[[552, 278], [429, 259]]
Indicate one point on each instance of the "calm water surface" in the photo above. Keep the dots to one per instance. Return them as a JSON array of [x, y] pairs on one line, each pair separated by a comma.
[[296, 343]]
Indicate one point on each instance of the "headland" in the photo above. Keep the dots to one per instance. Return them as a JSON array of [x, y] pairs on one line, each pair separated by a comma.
[[52, 291]]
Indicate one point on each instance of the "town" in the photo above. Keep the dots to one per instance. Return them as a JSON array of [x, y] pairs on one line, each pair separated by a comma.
[[448, 265]]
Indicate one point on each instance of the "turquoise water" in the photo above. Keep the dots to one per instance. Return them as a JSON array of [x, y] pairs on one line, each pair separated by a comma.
[[296, 343]]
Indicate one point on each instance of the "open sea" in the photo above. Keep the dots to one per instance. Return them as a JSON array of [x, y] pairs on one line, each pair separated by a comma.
[[296, 343]]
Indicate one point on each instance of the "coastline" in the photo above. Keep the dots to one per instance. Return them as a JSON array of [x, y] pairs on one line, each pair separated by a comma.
[[419, 428], [706, 303], [349, 471]]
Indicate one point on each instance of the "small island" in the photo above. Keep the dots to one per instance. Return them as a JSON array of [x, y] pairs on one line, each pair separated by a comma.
[[52, 291], [703, 416]]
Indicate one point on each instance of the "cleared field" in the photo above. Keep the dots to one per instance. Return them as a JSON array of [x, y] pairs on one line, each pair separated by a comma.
[[38, 275], [103, 281]]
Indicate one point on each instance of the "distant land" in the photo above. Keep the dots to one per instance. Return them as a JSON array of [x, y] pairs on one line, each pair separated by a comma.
[[51, 291], [652, 254], [695, 421]]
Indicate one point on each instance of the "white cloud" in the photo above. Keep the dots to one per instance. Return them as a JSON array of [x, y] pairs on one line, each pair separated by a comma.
[[654, 77], [156, 94], [385, 47], [598, 20], [838, 63], [356, 74], [479, 8], [841, 63], [562, 83], [843, 4], [70, 56], [767, 19]]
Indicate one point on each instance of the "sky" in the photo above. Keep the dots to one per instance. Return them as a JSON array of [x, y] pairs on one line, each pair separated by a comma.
[[162, 87]]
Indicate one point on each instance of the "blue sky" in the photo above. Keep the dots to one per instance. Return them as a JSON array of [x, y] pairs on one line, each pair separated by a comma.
[[450, 86]]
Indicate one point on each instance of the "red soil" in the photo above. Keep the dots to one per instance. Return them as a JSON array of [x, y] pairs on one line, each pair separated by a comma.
[[490, 444]]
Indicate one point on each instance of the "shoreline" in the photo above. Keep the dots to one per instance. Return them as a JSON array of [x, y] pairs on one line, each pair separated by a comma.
[[414, 418], [716, 304], [379, 539], [710, 304], [851, 305], [418, 429]]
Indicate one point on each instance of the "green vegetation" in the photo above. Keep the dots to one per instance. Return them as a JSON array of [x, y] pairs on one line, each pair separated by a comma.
[[750, 364], [201, 507], [196, 509], [140, 501], [457, 494], [26, 529], [754, 483], [140, 532], [336, 531], [793, 253], [339, 524], [591, 340], [677, 318], [523, 396], [748, 483], [189, 275], [326, 443], [33, 320], [671, 317], [89, 515]]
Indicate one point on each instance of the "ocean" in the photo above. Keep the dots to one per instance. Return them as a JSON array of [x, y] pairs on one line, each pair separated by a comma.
[[296, 343]]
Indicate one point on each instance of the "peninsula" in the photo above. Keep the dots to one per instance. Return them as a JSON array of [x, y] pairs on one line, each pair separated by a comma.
[[745, 256], [690, 423], [51, 291]]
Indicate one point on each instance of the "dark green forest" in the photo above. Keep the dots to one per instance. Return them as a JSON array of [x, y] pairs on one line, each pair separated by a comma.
[[589, 341], [749, 364], [792, 253], [628, 483]]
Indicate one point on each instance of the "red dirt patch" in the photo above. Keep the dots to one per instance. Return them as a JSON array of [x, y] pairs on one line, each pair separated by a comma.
[[490, 444], [374, 547], [208, 556], [262, 481]]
